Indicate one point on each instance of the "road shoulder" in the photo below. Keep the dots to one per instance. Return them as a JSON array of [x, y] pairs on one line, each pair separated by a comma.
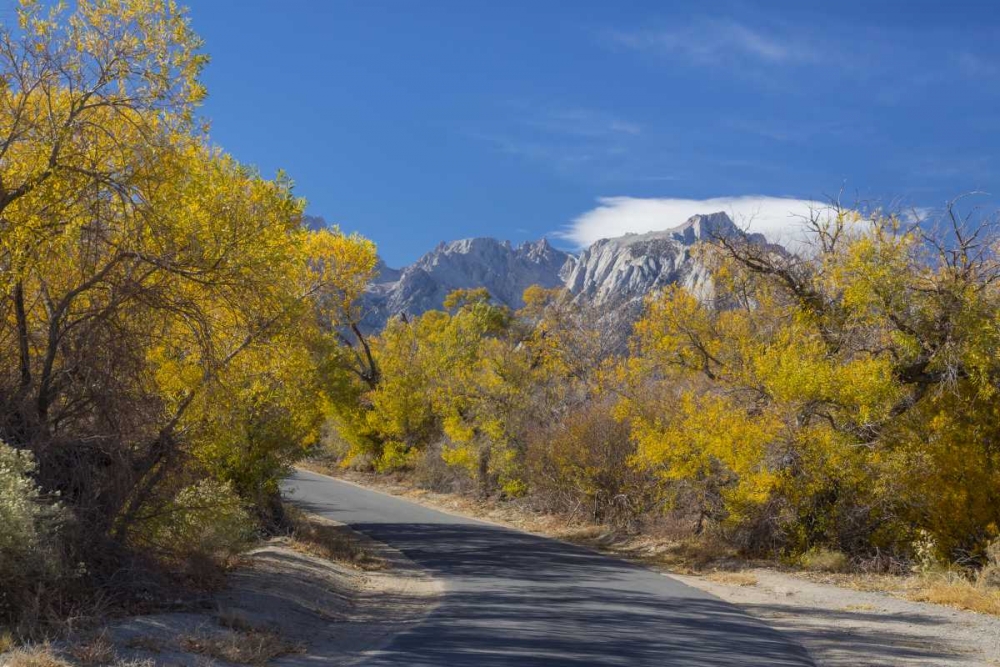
[[284, 605], [839, 626], [842, 627]]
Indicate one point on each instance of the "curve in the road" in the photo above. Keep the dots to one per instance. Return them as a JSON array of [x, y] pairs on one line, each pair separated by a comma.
[[517, 599]]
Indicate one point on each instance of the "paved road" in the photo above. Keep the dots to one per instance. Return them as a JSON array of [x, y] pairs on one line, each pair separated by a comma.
[[517, 599]]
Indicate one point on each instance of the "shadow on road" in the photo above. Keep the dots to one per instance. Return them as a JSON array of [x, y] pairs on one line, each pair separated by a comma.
[[517, 599]]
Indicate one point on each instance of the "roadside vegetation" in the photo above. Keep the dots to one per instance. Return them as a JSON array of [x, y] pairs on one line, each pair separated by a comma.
[[166, 320], [314, 535], [833, 409], [174, 339]]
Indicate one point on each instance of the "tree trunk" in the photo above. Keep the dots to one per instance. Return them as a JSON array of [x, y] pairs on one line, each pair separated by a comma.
[[24, 349], [485, 452]]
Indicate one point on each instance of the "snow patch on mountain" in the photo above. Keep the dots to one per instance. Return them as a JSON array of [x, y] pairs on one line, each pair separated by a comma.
[[614, 274]]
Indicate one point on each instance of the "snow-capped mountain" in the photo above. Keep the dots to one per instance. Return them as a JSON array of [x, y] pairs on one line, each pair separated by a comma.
[[613, 274]]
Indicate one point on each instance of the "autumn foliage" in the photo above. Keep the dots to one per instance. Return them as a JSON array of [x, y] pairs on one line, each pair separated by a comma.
[[165, 321], [843, 397], [173, 339]]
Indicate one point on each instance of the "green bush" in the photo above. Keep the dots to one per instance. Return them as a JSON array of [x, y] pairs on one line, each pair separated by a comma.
[[29, 539], [204, 521], [819, 559]]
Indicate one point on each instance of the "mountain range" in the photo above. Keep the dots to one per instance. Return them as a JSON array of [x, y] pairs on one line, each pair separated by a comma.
[[613, 274]]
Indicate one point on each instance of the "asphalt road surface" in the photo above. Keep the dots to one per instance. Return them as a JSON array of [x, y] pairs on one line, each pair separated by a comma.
[[516, 599]]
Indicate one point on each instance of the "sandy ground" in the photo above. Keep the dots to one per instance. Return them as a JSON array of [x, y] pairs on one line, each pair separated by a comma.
[[321, 612], [839, 626]]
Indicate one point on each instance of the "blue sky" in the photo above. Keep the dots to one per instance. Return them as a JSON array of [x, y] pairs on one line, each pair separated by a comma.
[[417, 122]]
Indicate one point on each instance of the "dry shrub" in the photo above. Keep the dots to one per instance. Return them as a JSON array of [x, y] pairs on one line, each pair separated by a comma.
[[98, 652], [820, 559], [314, 536], [252, 646], [33, 656], [989, 576], [580, 465], [961, 588], [882, 562], [431, 472], [342, 447], [698, 553], [93, 652]]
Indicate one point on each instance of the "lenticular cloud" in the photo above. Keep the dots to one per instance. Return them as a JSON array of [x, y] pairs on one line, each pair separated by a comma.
[[780, 219]]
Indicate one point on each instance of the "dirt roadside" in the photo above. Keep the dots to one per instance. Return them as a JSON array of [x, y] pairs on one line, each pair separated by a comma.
[[842, 627], [283, 606]]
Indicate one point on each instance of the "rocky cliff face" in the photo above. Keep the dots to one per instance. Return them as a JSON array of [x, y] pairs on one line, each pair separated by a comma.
[[505, 270], [614, 274]]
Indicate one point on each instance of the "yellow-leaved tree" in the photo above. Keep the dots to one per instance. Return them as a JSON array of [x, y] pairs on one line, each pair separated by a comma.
[[163, 356], [811, 403]]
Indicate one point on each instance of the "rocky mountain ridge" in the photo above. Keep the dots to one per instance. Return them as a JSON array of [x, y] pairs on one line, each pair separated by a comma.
[[613, 274]]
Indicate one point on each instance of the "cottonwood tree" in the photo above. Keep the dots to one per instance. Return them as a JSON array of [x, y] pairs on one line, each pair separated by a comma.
[[158, 297], [835, 390]]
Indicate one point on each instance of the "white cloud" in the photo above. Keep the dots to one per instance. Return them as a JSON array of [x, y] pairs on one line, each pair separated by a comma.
[[780, 219], [715, 41]]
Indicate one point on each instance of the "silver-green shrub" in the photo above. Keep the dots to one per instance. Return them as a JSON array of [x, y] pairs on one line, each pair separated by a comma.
[[29, 525], [206, 519]]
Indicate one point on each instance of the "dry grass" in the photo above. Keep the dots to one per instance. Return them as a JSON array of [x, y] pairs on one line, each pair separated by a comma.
[[689, 555], [93, 652], [742, 579], [866, 582], [314, 536], [41, 655], [246, 646], [255, 646], [954, 590], [951, 589], [695, 554]]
